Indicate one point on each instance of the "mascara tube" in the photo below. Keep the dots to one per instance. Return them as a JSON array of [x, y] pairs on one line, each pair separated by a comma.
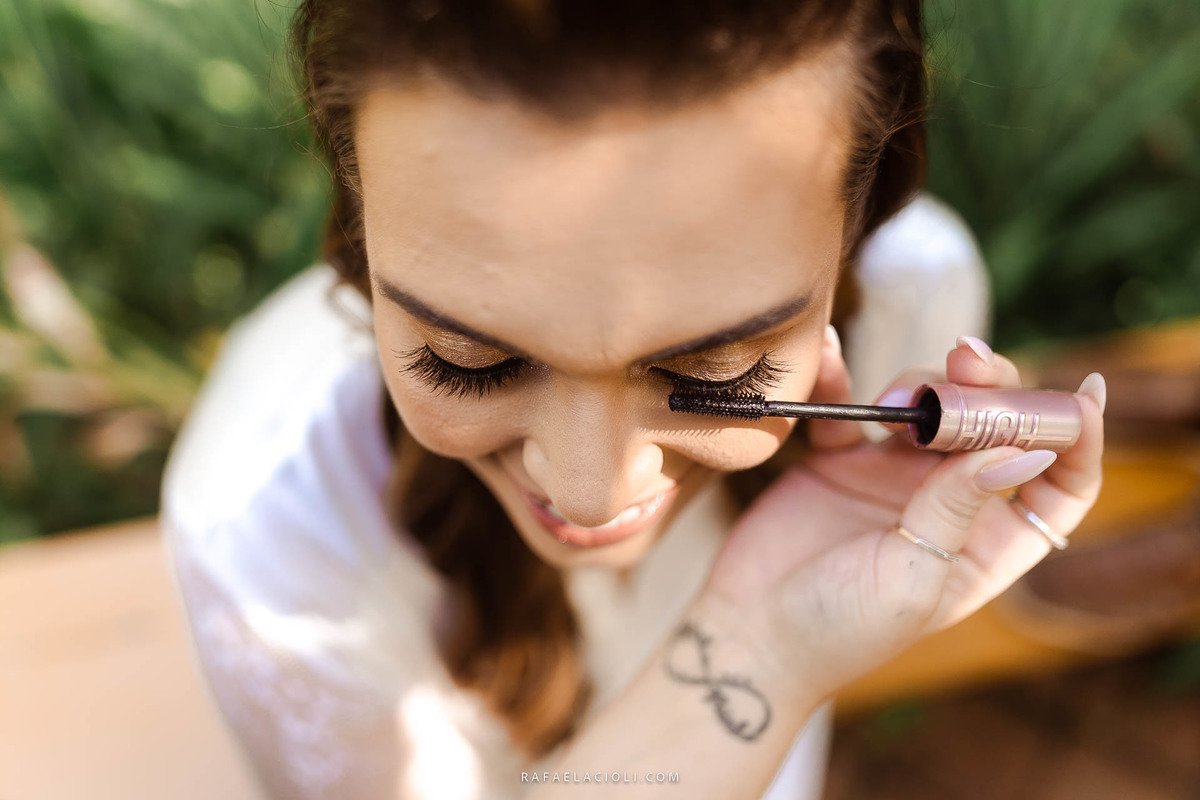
[[973, 418]]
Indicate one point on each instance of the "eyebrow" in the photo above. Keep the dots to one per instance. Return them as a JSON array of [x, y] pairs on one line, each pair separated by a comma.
[[759, 323]]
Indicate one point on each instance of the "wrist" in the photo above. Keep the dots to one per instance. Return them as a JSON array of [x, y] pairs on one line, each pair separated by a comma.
[[746, 646]]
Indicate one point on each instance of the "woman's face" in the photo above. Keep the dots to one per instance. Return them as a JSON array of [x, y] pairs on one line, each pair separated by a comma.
[[539, 289]]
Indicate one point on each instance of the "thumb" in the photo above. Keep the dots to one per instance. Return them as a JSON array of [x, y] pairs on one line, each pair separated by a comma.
[[941, 514]]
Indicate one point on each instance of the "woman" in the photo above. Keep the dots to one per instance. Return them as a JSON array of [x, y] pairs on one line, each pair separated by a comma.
[[451, 542]]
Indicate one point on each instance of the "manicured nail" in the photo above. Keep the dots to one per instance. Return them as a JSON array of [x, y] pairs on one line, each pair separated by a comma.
[[832, 339], [978, 347], [1094, 387], [896, 398], [1014, 471]]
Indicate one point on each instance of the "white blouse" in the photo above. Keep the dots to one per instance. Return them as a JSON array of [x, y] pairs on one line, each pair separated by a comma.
[[310, 614]]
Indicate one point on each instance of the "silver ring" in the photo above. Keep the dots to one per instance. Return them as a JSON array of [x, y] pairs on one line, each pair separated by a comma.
[[1057, 541], [925, 544]]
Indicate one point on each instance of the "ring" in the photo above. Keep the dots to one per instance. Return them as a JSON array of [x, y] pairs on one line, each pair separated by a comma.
[[925, 544], [1056, 541]]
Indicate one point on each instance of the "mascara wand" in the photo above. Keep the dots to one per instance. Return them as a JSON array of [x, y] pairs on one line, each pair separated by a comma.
[[943, 416], [756, 406]]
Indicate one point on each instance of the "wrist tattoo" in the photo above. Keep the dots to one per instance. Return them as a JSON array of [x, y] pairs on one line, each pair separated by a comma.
[[742, 708]]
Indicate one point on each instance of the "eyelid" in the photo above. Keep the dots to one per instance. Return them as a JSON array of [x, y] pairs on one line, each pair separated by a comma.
[[461, 351], [762, 374], [677, 377], [505, 359], [734, 353]]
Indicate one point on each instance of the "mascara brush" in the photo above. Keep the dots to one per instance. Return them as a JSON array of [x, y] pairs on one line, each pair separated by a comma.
[[943, 416], [756, 406]]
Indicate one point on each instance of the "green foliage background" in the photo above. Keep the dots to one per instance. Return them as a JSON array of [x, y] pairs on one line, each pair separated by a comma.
[[151, 149]]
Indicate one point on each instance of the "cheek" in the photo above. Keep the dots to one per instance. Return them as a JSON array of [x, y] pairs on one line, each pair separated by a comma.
[[736, 448], [451, 427]]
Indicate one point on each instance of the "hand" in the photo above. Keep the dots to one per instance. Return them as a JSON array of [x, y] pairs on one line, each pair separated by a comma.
[[815, 564]]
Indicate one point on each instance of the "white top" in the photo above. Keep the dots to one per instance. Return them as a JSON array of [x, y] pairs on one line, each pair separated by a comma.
[[310, 613]]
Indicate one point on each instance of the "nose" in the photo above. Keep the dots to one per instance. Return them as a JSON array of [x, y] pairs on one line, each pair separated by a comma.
[[589, 456]]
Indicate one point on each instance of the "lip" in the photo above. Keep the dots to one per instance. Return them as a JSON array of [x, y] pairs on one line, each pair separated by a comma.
[[639, 516]]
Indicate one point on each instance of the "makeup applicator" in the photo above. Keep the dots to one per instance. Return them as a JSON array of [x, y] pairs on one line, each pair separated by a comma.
[[942, 416]]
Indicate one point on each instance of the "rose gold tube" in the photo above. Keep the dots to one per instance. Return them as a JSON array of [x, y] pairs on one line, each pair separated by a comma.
[[972, 418]]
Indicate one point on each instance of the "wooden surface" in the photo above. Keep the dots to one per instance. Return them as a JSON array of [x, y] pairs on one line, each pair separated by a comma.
[[1120, 730], [96, 670], [99, 698]]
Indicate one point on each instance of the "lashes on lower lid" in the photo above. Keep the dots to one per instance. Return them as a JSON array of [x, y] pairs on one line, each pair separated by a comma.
[[446, 377]]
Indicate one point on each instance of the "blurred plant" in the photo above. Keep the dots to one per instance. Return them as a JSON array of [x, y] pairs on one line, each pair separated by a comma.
[[83, 426], [1178, 668], [149, 149], [1068, 135], [155, 155]]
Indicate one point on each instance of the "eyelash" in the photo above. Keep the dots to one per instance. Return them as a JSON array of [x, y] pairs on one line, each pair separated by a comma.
[[449, 378], [764, 374], [454, 380]]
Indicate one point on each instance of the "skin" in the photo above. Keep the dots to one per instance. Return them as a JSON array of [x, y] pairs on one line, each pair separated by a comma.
[[587, 248]]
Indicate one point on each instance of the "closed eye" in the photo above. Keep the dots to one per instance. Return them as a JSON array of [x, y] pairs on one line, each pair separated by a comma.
[[456, 380], [764, 374]]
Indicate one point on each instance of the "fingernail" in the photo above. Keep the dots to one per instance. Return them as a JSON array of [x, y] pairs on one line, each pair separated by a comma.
[[832, 339], [978, 347], [1095, 387], [896, 398], [1014, 471]]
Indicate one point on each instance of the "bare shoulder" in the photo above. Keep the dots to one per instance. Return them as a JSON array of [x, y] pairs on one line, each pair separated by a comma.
[[284, 372]]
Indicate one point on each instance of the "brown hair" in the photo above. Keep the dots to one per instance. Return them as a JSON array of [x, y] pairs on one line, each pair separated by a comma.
[[510, 632]]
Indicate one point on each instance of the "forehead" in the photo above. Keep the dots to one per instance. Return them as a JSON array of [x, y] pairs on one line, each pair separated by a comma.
[[602, 240]]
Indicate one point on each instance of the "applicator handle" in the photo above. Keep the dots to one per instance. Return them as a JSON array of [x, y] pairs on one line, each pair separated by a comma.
[[976, 417]]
